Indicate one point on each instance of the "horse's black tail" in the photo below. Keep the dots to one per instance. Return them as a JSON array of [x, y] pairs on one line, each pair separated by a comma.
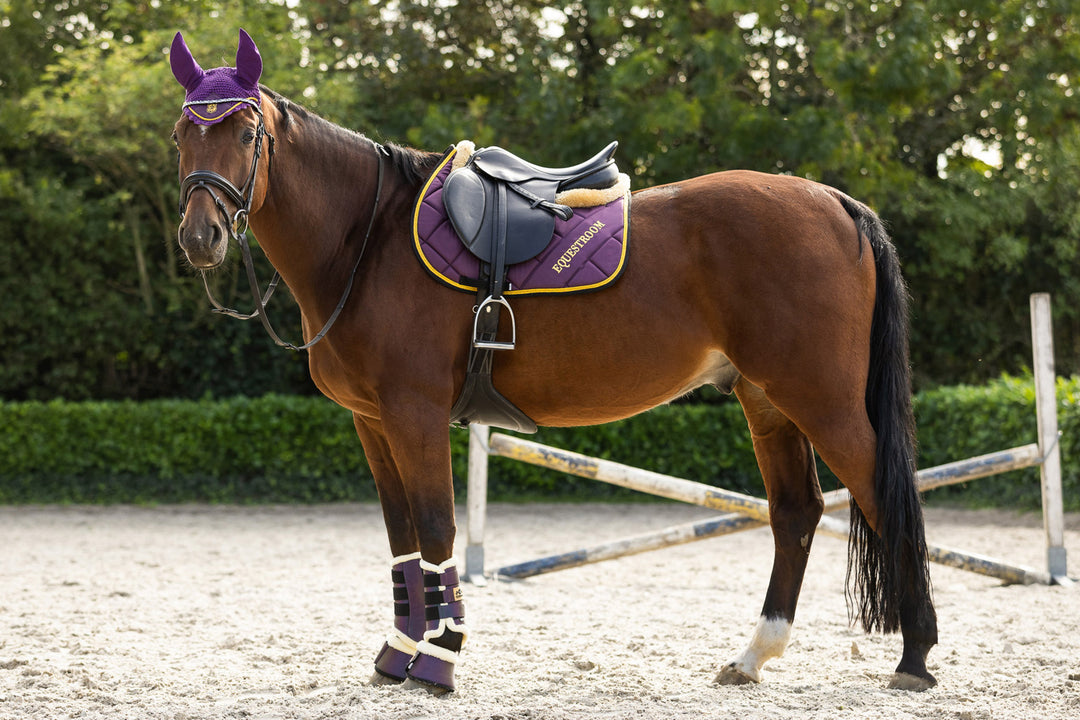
[[888, 571]]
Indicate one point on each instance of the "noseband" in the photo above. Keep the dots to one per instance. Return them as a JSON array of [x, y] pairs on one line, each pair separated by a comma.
[[237, 225]]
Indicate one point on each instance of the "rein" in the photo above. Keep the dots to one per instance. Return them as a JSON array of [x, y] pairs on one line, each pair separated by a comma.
[[238, 226]]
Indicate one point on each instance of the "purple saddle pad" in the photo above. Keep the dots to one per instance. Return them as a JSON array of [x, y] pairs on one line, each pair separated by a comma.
[[586, 252]]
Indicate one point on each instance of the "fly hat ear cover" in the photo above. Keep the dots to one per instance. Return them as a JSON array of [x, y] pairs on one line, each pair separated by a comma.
[[213, 95]]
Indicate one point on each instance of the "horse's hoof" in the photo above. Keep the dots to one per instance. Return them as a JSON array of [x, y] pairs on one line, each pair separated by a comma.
[[433, 690], [731, 675], [911, 683], [377, 678]]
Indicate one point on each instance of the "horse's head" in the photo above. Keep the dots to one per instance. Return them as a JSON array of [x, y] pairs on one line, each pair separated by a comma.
[[220, 137]]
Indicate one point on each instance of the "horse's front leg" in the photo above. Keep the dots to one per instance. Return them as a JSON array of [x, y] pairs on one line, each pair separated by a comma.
[[413, 476], [392, 662]]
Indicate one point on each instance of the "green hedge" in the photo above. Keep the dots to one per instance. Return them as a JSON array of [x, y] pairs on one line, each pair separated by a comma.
[[304, 449], [964, 421], [270, 449]]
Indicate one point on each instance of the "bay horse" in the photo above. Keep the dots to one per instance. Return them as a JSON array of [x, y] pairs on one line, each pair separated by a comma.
[[784, 291]]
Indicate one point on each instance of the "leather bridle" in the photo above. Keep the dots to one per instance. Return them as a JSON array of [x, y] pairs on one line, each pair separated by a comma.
[[237, 225]]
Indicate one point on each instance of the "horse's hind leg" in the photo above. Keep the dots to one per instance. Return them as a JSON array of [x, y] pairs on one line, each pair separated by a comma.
[[886, 553], [887, 575], [787, 465]]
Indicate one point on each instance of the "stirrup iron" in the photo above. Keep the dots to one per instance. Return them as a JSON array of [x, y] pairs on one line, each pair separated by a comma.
[[494, 344]]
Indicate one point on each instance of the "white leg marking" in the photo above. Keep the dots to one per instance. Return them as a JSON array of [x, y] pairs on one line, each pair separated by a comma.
[[769, 640]]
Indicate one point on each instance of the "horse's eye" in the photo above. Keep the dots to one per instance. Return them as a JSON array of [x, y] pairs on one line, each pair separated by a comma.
[[248, 137], [176, 141]]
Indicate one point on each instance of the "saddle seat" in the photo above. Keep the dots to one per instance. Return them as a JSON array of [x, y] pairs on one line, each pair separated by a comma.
[[599, 171]]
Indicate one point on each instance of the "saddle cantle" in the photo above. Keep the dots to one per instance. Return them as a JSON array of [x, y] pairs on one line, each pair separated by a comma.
[[503, 207]]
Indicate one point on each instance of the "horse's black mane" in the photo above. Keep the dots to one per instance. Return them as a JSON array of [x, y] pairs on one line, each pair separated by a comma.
[[414, 165]]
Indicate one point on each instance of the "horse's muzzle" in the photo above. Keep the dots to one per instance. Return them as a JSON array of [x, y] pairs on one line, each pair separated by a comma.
[[203, 241]]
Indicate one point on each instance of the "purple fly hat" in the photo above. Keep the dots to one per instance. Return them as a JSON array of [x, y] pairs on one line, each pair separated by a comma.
[[215, 94]]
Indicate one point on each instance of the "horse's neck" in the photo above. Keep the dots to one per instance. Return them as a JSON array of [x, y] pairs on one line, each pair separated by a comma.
[[321, 195]]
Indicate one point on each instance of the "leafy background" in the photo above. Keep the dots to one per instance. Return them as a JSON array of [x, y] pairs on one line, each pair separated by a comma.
[[957, 121]]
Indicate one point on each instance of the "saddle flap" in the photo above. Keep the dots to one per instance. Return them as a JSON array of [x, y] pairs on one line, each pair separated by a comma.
[[465, 199], [480, 213], [529, 229]]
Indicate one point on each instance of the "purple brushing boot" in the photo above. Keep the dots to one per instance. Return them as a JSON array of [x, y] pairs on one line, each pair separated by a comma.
[[437, 653], [397, 652]]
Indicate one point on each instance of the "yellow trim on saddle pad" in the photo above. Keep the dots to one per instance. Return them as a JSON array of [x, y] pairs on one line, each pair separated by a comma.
[[418, 245]]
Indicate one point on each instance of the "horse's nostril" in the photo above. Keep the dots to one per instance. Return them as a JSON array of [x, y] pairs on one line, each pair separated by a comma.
[[204, 243], [209, 235]]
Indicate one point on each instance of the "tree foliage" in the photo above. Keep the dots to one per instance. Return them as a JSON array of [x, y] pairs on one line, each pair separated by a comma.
[[957, 121]]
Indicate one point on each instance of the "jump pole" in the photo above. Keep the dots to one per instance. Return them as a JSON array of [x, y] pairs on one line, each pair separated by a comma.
[[668, 537], [1042, 342], [746, 511], [725, 524], [477, 504]]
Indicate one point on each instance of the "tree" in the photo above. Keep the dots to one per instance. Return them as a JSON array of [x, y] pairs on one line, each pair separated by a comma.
[[98, 304], [955, 120]]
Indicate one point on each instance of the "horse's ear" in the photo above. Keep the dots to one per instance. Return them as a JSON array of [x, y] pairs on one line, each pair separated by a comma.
[[248, 60], [186, 71]]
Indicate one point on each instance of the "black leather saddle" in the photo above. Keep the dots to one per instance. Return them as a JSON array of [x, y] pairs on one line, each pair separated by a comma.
[[503, 209]]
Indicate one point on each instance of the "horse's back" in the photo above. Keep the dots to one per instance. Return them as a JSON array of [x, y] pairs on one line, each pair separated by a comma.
[[755, 241], [732, 207]]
